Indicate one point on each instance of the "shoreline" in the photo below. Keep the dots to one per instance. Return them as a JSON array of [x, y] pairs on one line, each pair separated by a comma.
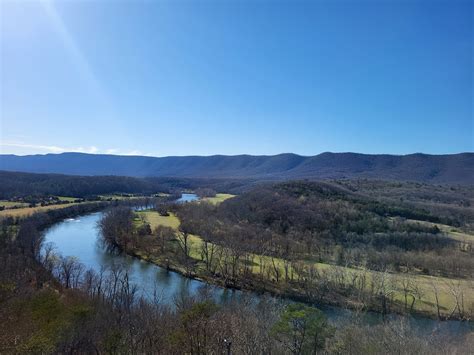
[[292, 296]]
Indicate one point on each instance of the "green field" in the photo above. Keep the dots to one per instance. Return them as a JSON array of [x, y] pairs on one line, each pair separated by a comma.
[[67, 198], [155, 219], [115, 197], [10, 204], [218, 198]]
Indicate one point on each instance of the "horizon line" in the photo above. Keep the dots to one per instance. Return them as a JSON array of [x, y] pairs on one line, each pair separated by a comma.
[[232, 155]]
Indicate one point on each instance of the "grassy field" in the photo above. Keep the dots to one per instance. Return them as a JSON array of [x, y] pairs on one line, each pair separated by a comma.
[[155, 219], [451, 231], [10, 204], [423, 283], [218, 198], [27, 211], [115, 197], [67, 198], [466, 239]]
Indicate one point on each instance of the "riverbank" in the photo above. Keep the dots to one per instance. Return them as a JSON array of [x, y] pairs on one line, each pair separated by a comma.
[[261, 287], [249, 285], [247, 276]]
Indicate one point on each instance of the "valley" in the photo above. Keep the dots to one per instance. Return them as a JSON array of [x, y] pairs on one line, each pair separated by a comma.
[[367, 251]]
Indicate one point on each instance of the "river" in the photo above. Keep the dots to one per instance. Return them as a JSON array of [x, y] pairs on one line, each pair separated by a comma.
[[80, 237]]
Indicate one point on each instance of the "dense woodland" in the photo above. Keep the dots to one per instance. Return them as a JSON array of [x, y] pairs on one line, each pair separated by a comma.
[[326, 221], [448, 168], [20, 185]]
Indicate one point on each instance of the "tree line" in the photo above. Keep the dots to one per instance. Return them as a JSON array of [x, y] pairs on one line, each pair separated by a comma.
[[28, 185]]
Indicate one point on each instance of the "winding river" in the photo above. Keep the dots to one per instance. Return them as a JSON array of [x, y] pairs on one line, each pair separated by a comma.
[[80, 237]]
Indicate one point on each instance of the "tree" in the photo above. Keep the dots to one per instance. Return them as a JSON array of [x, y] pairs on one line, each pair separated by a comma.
[[117, 227], [196, 326], [163, 234], [302, 329], [29, 239], [144, 229], [207, 254], [162, 209], [205, 192], [435, 288], [183, 241], [48, 257], [70, 271]]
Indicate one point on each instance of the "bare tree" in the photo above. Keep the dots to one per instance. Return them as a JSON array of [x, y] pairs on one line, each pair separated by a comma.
[[164, 234], [70, 271]]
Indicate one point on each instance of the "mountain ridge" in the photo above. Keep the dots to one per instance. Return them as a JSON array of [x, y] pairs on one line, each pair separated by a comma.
[[448, 168]]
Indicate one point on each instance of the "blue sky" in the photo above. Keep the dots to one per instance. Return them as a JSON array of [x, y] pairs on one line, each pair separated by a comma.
[[231, 77]]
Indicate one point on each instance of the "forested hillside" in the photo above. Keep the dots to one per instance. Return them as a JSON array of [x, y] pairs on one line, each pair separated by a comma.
[[455, 168], [14, 184], [408, 249], [339, 222]]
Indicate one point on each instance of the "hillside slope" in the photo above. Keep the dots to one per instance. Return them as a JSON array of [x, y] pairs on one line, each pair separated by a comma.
[[455, 168]]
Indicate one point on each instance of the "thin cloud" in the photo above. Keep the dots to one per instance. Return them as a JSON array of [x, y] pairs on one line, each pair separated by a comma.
[[133, 152], [13, 147], [49, 148]]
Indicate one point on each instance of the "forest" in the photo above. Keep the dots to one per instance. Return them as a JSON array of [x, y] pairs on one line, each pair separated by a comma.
[[362, 245], [20, 185], [321, 242]]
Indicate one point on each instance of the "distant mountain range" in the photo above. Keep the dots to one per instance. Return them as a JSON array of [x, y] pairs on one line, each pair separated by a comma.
[[453, 168]]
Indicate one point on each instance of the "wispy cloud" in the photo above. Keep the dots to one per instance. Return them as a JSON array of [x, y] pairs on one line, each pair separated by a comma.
[[49, 148], [124, 152], [133, 152], [13, 147]]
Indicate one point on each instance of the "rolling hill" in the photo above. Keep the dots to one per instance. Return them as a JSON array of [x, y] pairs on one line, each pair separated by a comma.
[[454, 168]]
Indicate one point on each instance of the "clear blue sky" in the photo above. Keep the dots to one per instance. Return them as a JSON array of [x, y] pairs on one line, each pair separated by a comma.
[[231, 77]]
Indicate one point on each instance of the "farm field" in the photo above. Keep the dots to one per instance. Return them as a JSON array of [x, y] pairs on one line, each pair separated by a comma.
[[218, 198], [28, 211], [156, 220], [10, 204], [115, 197], [67, 198], [450, 231]]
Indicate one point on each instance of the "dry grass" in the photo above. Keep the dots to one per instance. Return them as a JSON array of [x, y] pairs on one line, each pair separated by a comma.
[[28, 211], [156, 220], [423, 284], [450, 231], [218, 198], [117, 197], [10, 204], [67, 198]]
